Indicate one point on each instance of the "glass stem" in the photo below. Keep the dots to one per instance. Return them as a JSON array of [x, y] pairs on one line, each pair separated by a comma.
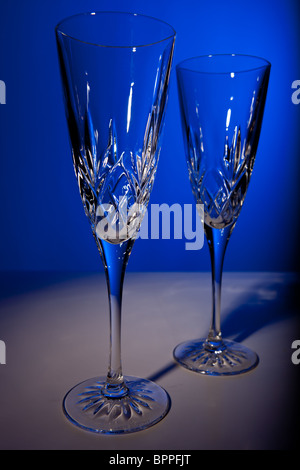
[[115, 258], [217, 241]]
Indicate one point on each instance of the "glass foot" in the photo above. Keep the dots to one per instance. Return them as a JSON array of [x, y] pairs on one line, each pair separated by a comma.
[[228, 358], [145, 404]]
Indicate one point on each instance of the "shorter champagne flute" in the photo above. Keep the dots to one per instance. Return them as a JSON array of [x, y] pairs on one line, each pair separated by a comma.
[[222, 100]]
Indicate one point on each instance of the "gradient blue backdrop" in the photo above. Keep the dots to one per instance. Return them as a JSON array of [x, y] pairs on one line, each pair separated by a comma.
[[43, 226]]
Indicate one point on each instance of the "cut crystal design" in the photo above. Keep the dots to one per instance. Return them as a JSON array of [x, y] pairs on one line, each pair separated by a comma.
[[215, 359], [136, 402], [115, 179], [119, 178], [222, 190], [229, 358]]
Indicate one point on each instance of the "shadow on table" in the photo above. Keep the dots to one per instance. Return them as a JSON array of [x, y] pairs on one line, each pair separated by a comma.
[[163, 371], [265, 305]]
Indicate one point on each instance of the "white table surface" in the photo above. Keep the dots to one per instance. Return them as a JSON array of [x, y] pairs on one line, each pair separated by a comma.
[[55, 328]]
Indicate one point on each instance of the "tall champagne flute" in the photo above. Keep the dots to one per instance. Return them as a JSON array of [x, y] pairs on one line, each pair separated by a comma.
[[222, 99], [115, 71]]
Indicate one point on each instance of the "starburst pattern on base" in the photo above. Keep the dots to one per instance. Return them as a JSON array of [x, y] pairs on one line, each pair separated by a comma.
[[230, 359], [144, 405], [136, 401]]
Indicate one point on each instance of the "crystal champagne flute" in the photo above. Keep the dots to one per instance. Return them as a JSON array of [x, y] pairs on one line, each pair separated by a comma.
[[115, 70], [222, 99]]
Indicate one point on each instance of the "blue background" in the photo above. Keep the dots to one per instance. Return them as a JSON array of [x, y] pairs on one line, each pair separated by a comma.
[[43, 226]]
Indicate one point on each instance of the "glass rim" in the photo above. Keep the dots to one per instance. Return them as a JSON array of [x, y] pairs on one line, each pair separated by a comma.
[[265, 64], [125, 13]]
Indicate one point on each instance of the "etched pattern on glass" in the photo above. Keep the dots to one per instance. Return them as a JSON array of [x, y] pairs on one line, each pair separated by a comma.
[[203, 356], [222, 189], [137, 402], [117, 184]]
